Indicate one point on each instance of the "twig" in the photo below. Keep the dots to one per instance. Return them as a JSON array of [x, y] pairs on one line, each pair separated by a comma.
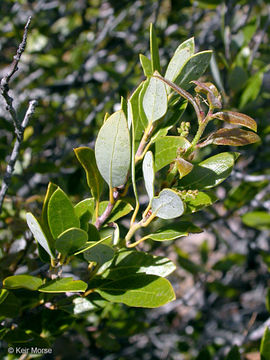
[[4, 85], [19, 126]]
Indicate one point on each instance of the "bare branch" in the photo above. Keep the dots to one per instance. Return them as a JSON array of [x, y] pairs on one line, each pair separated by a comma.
[[15, 152], [4, 84]]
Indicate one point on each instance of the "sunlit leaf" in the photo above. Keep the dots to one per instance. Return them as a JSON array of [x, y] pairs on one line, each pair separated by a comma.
[[38, 233], [155, 100], [233, 137], [149, 174], [174, 231], [22, 281], [209, 172], [113, 150], [167, 205], [86, 157], [154, 49], [141, 290], [71, 240], [63, 285], [61, 214]]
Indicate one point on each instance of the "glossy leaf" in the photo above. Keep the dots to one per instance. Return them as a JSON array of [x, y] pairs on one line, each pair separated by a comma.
[[172, 117], [71, 240], [176, 63], [112, 150], [174, 231], [86, 157], [22, 281], [234, 137], [146, 65], [63, 285], [142, 116], [184, 167], [154, 50], [155, 100], [141, 290], [209, 172], [166, 150], [61, 214], [257, 219], [130, 262], [194, 67], [236, 118], [134, 116], [99, 254], [44, 215], [91, 244], [84, 210], [167, 205], [199, 202], [187, 44], [149, 174], [38, 233], [265, 345]]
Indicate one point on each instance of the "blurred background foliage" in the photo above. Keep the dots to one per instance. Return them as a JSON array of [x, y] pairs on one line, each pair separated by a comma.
[[81, 56]]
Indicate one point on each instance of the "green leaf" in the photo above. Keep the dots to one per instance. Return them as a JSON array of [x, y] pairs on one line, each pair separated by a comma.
[[236, 118], [124, 105], [38, 233], [200, 201], [44, 215], [167, 205], [154, 50], [209, 172], [131, 262], [187, 44], [134, 118], [113, 150], [84, 210], [22, 281], [184, 167], [142, 116], [63, 285], [3, 295], [149, 174], [120, 209], [257, 219], [166, 150], [265, 345], [93, 233], [61, 214], [173, 116], [141, 290], [71, 240], [10, 306], [155, 100], [176, 63], [252, 89], [194, 67], [92, 244], [86, 157], [99, 254], [146, 65], [174, 231]]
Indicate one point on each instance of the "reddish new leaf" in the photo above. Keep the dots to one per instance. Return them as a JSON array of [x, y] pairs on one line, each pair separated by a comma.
[[211, 91], [236, 118], [234, 137]]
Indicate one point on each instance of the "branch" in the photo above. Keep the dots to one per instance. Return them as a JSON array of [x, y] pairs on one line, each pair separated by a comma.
[[19, 126], [15, 152], [4, 85]]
